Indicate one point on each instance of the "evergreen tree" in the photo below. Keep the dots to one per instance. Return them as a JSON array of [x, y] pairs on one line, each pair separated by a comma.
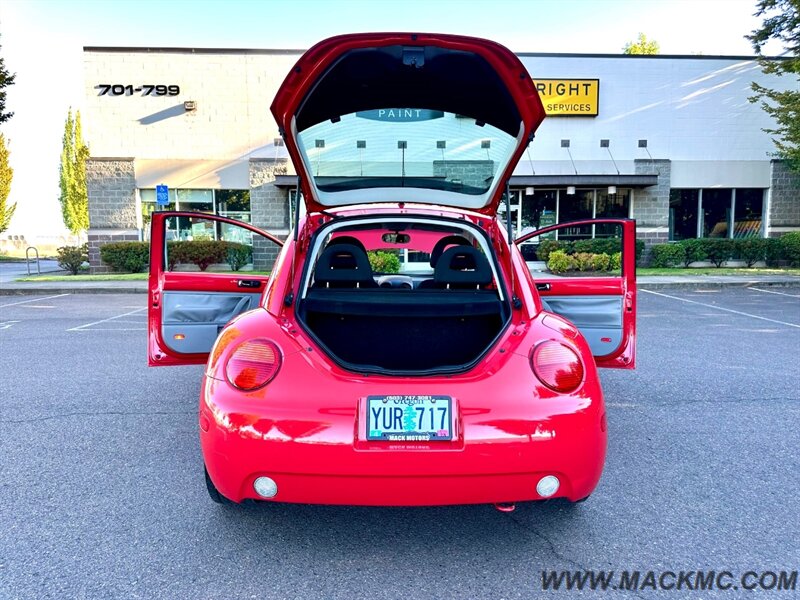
[[781, 23], [6, 79], [6, 174], [72, 176]]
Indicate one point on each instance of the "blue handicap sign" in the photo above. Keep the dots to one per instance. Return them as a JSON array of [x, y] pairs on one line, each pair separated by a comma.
[[162, 195]]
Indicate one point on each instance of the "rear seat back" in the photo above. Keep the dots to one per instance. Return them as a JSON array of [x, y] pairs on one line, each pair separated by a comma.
[[462, 267], [343, 266]]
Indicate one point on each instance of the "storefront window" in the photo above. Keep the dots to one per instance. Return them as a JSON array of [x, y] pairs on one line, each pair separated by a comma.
[[748, 213], [538, 210], [575, 208], [611, 206], [683, 214], [234, 204], [716, 213]]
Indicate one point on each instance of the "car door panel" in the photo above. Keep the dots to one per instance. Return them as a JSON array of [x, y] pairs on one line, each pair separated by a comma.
[[602, 306], [191, 321], [187, 310]]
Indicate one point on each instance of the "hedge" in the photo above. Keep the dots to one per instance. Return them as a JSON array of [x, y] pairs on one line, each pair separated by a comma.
[[719, 250], [134, 257], [560, 262], [383, 262], [608, 246]]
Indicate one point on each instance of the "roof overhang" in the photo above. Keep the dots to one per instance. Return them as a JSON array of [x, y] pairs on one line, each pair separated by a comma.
[[626, 181]]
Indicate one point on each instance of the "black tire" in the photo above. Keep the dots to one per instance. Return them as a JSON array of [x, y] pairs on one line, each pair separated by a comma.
[[213, 492]]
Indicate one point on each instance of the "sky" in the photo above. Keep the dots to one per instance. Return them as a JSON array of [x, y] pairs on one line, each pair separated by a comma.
[[42, 40]]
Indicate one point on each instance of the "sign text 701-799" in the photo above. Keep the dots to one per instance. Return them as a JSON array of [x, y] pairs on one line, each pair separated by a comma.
[[119, 89]]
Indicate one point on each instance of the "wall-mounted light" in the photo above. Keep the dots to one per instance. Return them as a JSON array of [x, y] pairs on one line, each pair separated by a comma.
[[277, 142], [612, 189], [189, 105], [565, 144], [319, 143], [529, 191], [571, 190]]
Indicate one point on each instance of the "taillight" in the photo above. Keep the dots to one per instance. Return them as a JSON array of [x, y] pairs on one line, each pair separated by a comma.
[[253, 364], [557, 366]]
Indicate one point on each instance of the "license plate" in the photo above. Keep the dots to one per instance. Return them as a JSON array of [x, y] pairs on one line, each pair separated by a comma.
[[409, 418]]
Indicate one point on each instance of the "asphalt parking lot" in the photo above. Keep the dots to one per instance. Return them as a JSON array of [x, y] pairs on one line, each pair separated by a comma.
[[101, 489]]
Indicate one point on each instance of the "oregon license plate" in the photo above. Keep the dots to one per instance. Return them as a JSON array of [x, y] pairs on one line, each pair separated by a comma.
[[410, 418]]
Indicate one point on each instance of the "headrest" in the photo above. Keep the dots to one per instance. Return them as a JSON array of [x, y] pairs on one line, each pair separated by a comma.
[[450, 240], [343, 263], [462, 266], [347, 239]]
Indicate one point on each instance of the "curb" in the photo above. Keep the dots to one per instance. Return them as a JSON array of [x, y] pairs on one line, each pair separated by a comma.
[[30, 291]]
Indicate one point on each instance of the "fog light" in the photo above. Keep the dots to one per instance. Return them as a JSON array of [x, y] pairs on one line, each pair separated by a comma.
[[267, 488], [547, 486]]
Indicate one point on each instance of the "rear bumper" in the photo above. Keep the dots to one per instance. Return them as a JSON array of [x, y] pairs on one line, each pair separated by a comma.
[[509, 437]]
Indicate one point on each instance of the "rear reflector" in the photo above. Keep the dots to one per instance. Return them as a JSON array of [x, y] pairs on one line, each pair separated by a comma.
[[557, 366], [253, 364]]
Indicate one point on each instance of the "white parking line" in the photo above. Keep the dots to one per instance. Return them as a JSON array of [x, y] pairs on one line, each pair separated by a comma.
[[730, 310], [83, 327], [33, 300], [774, 292]]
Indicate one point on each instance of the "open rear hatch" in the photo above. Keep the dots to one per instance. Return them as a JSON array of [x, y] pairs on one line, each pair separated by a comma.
[[400, 117]]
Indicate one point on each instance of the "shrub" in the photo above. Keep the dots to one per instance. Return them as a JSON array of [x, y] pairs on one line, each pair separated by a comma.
[[616, 261], [71, 258], [774, 251], [545, 248], [639, 249], [132, 257], [583, 260], [790, 244], [237, 255], [601, 262], [668, 255], [560, 262], [751, 250], [719, 250], [383, 262], [694, 250], [202, 253]]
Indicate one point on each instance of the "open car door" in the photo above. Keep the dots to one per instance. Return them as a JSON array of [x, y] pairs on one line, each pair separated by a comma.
[[204, 270], [585, 271]]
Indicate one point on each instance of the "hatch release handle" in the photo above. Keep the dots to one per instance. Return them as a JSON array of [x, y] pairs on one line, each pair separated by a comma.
[[414, 56]]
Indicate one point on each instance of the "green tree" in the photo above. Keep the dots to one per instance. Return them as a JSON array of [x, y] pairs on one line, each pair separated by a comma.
[[6, 79], [72, 176], [6, 174], [782, 24], [641, 46]]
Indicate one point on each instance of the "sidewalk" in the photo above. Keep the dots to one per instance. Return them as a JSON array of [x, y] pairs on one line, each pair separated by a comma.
[[650, 282]]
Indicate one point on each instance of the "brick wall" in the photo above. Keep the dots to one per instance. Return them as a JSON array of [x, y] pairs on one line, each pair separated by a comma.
[[784, 208], [111, 187], [651, 204], [470, 172], [269, 206]]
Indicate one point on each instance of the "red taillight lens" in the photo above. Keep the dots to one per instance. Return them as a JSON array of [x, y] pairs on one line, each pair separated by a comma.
[[253, 364], [557, 366]]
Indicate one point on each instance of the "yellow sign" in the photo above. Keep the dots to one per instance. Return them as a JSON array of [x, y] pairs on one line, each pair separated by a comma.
[[569, 97]]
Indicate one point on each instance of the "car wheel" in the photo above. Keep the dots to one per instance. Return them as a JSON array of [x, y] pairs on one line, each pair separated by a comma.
[[213, 492]]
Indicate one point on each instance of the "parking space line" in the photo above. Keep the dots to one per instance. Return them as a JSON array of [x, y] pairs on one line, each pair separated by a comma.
[[83, 327], [774, 292], [730, 310], [32, 300]]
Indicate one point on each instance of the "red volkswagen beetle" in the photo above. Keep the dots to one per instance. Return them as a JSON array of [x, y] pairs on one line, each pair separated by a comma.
[[399, 352]]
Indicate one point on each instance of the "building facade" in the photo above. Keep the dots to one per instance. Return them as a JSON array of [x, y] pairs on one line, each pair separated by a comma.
[[671, 141]]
